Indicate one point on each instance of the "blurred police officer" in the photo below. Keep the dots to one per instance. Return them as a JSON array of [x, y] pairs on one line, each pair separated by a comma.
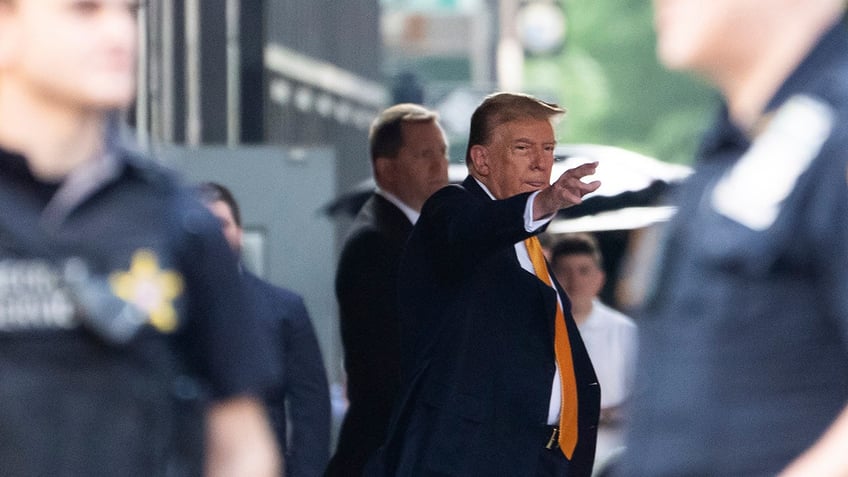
[[744, 343], [117, 290]]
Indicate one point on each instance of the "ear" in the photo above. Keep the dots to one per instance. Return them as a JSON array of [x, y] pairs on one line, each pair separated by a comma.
[[480, 159], [240, 239], [383, 169]]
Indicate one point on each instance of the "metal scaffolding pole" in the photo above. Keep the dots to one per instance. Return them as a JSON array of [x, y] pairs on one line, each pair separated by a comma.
[[233, 73], [194, 119], [166, 69], [142, 97]]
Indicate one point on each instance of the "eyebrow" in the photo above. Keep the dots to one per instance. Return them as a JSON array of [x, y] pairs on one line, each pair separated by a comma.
[[530, 141]]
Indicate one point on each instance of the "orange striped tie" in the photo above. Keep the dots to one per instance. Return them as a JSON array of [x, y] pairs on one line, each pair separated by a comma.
[[562, 349]]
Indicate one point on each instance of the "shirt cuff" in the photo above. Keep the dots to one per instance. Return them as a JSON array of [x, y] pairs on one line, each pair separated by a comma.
[[533, 225]]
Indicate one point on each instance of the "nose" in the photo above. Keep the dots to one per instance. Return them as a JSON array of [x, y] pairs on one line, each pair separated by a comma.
[[537, 158]]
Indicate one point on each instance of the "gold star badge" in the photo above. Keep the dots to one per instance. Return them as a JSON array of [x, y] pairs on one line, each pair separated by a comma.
[[150, 288]]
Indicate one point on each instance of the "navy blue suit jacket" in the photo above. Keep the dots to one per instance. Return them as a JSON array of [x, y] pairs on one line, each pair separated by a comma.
[[478, 347], [301, 394]]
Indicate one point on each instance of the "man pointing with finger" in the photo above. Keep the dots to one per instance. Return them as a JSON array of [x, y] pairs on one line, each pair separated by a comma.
[[496, 380]]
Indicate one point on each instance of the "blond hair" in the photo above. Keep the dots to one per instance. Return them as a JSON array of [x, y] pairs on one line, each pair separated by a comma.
[[500, 108]]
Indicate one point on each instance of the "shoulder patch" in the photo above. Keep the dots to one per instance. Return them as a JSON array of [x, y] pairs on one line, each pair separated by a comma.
[[753, 190]]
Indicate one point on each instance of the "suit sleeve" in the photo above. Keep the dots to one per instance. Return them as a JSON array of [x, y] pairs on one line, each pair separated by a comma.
[[464, 228]]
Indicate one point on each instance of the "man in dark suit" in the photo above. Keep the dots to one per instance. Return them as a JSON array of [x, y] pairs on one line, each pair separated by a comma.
[[492, 358], [409, 163], [301, 394]]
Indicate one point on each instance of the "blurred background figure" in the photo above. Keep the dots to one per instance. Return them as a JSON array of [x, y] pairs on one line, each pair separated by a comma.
[[743, 364], [118, 290], [409, 163], [299, 400], [610, 336]]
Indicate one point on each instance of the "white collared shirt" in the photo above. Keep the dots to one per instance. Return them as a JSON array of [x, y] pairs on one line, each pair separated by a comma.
[[408, 211]]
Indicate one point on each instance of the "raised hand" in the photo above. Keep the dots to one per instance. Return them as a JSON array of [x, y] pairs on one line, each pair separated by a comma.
[[566, 191]]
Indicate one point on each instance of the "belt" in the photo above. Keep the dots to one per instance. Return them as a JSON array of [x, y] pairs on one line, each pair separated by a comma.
[[553, 441]]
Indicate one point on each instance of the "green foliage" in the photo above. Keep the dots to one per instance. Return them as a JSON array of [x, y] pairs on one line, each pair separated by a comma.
[[616, 92]]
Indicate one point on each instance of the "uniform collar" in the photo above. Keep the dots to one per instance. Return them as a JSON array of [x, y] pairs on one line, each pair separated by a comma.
[[723, 135], [60, 198], [83, 183]]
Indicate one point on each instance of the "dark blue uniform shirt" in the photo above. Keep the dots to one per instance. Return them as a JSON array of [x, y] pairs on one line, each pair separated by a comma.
[[120, 302], [744, 344]]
